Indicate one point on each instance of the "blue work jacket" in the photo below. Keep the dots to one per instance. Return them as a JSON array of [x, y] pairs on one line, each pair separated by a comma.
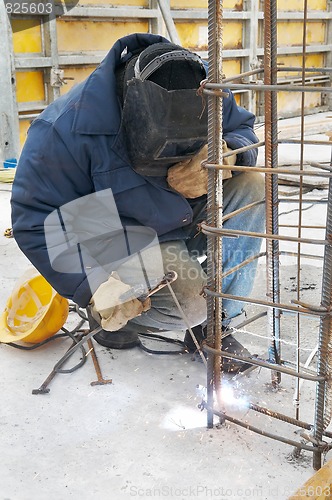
[[74, 148]]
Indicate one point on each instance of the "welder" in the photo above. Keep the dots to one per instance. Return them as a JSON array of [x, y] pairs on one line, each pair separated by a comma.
[[110, 190]]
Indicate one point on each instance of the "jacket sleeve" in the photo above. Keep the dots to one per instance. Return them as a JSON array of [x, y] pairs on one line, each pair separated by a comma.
[[47, 179], [238, 130]]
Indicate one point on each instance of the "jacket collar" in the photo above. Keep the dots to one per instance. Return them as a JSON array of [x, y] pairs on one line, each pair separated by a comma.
[[98, 111]]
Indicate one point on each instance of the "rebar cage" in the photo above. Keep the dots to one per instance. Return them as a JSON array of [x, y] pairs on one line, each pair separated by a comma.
[[275, 311]]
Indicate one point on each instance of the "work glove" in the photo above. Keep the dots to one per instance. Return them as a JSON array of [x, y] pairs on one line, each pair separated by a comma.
[[190, 179], [107, 308]]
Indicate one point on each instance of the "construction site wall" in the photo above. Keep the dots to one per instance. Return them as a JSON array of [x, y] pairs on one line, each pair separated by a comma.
[[43, 58]]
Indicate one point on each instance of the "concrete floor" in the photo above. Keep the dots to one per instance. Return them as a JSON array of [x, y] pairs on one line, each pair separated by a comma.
[[143, 436]]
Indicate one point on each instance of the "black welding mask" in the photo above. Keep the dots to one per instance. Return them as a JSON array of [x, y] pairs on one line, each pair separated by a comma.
[[164, 120]]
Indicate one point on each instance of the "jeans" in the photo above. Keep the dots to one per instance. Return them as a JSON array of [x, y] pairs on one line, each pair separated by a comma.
[[184, 257]]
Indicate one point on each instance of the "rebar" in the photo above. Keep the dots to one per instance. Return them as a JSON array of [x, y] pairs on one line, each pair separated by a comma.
[[310, 309], [223, 416], [264, 364], [300, 212], [278, 170], [236, 233], [324, 366], [213, 228], [213, 89], [214, 196]]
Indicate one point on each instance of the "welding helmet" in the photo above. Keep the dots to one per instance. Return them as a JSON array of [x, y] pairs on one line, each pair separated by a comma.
[[34, 311], [164, 120]]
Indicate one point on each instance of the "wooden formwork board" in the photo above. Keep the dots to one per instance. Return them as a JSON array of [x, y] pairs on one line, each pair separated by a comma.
[[318, 487]]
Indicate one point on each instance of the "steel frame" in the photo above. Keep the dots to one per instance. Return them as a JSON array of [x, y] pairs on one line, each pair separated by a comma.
[[213, 228]]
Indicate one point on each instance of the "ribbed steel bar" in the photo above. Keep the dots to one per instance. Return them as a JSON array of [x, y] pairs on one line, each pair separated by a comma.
[[323, 391], [224, 416], [284, 418], [305, 141], [219, 231], [310, 309], [271, 181], [264, 364], [243, 75], [307, 70], [210, 89], [243, 264], [214, 196], [300, 213], [241, 210], [277, 170]]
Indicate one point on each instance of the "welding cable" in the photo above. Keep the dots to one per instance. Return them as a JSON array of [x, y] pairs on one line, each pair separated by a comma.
[[35, 346], [168, 340], [76, 340], [152, 336], [73, 334]]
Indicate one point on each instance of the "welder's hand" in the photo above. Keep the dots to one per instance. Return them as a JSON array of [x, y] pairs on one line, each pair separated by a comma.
[[189, 177], [109, 311]]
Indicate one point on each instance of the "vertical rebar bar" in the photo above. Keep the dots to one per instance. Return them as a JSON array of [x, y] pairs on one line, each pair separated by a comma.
[[214, 199], [271, 180], [324, 365], [300, 219]]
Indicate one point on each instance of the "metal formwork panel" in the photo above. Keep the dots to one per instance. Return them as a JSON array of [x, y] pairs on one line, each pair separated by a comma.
[[27, 36], [126, 3], [30, 87], [203, 4], [72, 75], [92, 36], [297, 5], [77, 41]]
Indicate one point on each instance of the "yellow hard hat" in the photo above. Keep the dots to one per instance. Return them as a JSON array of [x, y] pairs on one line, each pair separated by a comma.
[[34, 312]]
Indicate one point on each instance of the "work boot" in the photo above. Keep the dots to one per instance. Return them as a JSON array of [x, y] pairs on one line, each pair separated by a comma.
[[121, 339], [117, 340], [229, 343]]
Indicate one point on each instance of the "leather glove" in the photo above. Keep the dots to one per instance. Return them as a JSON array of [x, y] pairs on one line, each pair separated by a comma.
[[190, 179], [107, 309]]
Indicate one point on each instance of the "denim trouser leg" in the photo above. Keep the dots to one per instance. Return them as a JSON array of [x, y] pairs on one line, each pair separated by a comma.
[[182, 257], [240, 191]]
